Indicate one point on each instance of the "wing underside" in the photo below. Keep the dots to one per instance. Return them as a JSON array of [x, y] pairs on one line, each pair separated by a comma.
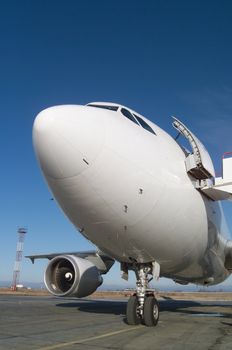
[[102, 261]]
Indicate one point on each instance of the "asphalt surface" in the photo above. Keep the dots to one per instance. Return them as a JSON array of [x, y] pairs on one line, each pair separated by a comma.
[[48, 323]]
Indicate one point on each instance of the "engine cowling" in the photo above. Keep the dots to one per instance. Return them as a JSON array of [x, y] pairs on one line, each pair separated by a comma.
[[69, 275]]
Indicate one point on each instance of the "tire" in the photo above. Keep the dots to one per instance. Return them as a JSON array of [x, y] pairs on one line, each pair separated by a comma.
[[150, 311], [132, 315]]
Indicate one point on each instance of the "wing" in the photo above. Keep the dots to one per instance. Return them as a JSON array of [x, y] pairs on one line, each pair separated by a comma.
[[102, 261]]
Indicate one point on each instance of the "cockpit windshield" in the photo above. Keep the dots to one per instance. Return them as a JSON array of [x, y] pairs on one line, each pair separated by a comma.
[[144, 124], [129, 115], [111, 108]]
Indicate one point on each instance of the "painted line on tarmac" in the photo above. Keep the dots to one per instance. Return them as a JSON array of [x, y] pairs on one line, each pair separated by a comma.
[[80, 341]]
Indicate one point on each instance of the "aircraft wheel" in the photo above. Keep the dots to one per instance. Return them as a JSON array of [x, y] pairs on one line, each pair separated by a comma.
[[150, 311], [132, 311]]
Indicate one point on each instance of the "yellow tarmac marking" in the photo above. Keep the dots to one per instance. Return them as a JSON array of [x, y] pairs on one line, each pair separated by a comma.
[[80, 341]]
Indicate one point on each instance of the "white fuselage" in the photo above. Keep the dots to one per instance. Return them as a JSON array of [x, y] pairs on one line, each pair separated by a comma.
[[127, 190]]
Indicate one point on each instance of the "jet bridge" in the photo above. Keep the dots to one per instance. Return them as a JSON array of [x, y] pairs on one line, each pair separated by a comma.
[[200, 166]]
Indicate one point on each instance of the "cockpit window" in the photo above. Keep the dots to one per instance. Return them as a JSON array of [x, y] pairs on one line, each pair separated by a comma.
[[111, 108], [144, 124], [129, 115]]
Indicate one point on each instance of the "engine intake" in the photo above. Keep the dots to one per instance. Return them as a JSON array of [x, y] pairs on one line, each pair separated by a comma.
[[69, 275]]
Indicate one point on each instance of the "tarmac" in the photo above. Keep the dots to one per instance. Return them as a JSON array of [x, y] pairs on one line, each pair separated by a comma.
[[48, 323]]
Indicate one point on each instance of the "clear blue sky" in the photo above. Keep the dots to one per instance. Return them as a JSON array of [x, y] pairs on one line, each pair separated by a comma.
[[160, 58]]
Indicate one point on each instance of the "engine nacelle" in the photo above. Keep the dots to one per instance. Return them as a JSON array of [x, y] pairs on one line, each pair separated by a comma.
[[69, 275]]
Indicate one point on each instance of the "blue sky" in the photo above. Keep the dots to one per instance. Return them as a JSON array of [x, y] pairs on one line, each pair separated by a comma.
[[160, 58]]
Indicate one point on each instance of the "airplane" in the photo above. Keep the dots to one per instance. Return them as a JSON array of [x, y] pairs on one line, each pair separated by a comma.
[[139, 195]]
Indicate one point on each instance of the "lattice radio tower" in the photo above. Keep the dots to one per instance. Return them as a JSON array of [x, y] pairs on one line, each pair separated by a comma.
[[19, 254]]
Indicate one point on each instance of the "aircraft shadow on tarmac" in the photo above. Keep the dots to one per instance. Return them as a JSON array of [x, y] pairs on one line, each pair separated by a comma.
[[97, 306], [119, 307]]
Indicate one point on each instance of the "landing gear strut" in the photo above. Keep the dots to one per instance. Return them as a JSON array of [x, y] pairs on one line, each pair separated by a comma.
[[142, 306]]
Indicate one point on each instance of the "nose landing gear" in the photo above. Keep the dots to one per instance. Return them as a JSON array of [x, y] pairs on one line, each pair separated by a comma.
[[142, 306]]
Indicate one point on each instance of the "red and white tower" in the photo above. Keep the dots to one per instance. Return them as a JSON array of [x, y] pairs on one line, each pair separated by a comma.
[[19, 254]]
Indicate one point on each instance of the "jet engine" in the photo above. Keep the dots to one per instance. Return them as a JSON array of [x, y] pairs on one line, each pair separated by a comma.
[[69, 275]]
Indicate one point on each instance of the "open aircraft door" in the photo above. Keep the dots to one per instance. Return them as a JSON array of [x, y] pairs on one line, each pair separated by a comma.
[[199, 165]]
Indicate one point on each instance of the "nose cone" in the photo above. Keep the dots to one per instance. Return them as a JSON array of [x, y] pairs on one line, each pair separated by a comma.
[[67, 139]]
